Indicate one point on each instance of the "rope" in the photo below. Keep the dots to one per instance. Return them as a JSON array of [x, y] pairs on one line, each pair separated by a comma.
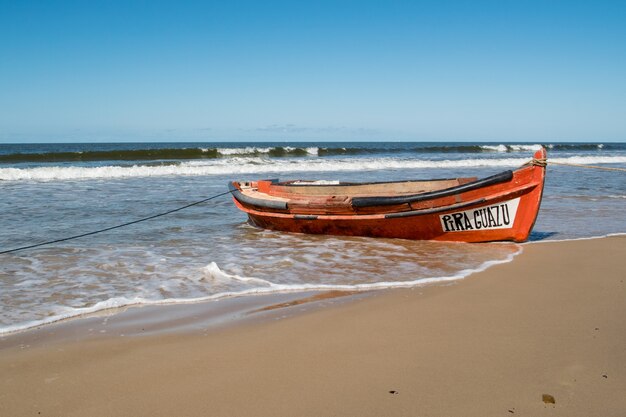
[[115, 227], [542, 162]]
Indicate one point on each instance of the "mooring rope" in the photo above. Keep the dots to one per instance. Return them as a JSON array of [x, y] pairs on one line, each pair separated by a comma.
[[542, 162], [117, 226]]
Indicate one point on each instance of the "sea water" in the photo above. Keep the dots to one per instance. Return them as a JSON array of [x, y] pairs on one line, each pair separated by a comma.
[[208, 251]]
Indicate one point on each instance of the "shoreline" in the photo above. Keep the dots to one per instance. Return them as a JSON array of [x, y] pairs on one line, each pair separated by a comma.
[[238, 306], [257, 297], [490, 344], [179, 319]]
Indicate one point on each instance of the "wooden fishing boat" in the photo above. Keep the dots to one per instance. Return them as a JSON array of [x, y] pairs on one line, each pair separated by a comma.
[[500, 207]]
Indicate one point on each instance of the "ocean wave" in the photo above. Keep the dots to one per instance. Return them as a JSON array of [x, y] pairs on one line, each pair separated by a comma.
[[578, 146], [266, 288], [468, 149], [494, 148], [112, 155], [532, 148], [251, 165], [157, 154], [191, 153], [248, 150]]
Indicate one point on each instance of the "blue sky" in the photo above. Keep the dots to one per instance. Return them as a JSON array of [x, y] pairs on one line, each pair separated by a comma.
[[338, 70]]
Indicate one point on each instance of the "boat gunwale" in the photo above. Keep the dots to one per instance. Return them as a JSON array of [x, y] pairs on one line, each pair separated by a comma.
[[372, 201], [352, 184], [498, 178], [253, 201]]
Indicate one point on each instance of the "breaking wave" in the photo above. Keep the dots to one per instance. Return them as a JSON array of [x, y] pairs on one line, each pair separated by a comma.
[[257, 165], [191, 153]]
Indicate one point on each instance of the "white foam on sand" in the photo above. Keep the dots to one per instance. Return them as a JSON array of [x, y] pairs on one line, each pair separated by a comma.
[[213, 272]]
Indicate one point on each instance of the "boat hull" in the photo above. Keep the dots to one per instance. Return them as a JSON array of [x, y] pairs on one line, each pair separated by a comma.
[[503, 211]]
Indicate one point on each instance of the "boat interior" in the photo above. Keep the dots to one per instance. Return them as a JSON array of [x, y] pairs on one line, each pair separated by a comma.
[[363, 189], [272, 194]]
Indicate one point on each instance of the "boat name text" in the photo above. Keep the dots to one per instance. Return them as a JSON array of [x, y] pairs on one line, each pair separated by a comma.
[[496, 216]]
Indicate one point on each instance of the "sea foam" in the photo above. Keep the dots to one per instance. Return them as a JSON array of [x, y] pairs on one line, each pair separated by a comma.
[[214, 272], [254, 165]]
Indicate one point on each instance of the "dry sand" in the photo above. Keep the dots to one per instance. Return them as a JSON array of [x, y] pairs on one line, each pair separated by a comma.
[[504, 342]]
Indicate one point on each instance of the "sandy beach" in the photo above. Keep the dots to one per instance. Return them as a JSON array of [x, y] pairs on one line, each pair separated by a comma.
[[542, 335]]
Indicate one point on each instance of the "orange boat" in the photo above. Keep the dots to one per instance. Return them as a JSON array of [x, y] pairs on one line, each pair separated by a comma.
[[500, 207]]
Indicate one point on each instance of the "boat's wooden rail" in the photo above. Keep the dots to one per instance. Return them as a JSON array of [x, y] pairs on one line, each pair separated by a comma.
[[388, 201], [265, 197], [246, 197], [367, 189]]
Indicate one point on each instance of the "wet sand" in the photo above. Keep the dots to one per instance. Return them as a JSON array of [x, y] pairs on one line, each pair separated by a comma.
[[542, 335]]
